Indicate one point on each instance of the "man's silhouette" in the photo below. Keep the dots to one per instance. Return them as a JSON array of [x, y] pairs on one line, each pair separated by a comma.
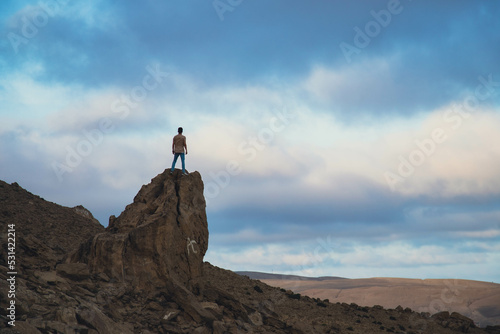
[[178, 147]]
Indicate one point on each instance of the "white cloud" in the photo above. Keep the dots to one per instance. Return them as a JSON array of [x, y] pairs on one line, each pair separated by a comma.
[[27, 101], [356, 260], [488, 234], [315, 147], [94, 13], [464, 161], [402, 254], [368, 82]]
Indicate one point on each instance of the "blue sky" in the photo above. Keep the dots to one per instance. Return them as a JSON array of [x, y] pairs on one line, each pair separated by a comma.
[[354, 139]]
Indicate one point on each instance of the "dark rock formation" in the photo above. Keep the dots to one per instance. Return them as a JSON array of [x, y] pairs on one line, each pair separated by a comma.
[[145, 274], [162, 236]]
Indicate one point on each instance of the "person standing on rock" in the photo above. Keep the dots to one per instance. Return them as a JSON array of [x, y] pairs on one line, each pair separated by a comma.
[[178, 147]]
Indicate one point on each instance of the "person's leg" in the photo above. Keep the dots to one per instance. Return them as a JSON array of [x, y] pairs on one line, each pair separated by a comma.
[[183, 163], [176, 155]]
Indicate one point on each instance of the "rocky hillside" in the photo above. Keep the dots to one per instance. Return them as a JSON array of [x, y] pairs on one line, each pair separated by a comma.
[[44, 231], [145, 274], [477, 300]]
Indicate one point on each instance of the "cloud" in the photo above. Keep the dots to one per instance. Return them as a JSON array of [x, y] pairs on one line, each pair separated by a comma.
[[359, 88], [456, 162], [98, 43], [331, 173], [412, 103], [493, 233], [333, 257]]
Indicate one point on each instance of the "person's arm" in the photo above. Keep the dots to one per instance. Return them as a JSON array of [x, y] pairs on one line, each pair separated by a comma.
[[185, 146], [173, 143]]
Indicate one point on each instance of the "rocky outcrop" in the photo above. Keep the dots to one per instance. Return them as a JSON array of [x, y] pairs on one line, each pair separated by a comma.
[[162, 236], [144, 274]]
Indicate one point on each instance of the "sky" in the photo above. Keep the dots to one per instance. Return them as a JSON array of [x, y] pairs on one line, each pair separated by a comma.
[[334, 138]]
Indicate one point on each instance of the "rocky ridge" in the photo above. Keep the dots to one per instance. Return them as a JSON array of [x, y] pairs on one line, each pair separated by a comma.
[[145, 273]]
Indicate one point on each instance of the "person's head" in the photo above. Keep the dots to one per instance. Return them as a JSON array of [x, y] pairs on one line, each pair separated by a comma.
[[179, 130]]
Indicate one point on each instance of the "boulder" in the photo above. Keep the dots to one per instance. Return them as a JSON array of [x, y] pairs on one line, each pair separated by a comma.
[[162, 236], [73, 271]]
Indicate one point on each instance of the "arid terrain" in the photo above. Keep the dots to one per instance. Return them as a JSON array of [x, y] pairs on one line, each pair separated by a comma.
[[477, 300], [145, 274]]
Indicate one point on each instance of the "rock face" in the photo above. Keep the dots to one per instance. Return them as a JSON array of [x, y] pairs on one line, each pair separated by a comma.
[[145, 274], [162, 236]]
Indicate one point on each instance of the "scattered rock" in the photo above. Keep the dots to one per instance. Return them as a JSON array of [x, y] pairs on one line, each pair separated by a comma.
[[73, 271], [170, 315]]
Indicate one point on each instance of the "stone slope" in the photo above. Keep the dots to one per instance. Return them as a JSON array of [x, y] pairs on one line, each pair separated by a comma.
[[290, 312], [145, 274], [479, 301], [36, 222]]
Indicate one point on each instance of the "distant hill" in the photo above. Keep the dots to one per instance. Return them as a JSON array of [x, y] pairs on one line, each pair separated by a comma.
[[265, 276]]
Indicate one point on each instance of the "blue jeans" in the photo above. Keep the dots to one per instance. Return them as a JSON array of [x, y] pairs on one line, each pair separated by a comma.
[[176, 155]]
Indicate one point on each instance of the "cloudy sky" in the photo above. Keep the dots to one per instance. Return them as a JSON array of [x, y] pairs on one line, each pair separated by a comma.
[[339, 138]]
